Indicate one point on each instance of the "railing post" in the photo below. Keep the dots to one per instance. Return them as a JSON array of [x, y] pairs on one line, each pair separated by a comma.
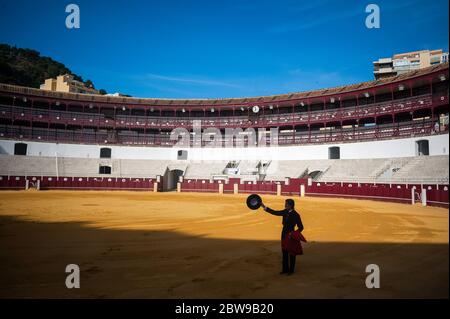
[[424, 197], [302, 190]]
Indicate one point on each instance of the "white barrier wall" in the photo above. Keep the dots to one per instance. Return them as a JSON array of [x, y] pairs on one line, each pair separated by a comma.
[[438, 145]]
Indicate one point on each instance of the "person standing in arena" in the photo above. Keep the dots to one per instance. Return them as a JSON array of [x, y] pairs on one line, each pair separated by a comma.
[[290, 219]]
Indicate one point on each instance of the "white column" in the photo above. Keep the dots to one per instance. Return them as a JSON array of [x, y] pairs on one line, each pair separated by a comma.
[[155, 187], [302, 190], [220, 188], [56, 165], [278, 189], [413, 190], [424, 197], [235, 188], [178, 187]]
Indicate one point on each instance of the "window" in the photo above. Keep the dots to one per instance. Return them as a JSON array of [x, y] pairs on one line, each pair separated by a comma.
[[20, 149], [105, 152], [334, 152], [105, 170], [182, 155]]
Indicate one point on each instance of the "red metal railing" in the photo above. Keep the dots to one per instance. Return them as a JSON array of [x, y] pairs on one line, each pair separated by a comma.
[[379, 132], [16, 113]]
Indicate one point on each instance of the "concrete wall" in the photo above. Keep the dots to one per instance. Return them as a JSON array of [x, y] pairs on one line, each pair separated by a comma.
[[439, 145]]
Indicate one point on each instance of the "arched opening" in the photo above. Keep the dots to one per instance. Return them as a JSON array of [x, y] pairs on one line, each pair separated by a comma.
[[422, 148]]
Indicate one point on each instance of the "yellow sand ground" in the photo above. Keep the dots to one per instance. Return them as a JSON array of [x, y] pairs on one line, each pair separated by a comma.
[[169, 245]]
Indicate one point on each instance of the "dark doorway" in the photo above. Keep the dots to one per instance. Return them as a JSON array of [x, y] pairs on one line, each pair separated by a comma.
[[105, 170], [171, 179], [20, 149], [422, 148], [334, 152]]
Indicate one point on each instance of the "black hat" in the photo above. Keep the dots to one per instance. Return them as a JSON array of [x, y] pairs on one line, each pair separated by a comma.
[[254, 201]]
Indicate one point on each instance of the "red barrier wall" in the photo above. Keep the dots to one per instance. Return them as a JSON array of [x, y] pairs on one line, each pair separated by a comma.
[[437, 195], [12, 182], [80, 183]]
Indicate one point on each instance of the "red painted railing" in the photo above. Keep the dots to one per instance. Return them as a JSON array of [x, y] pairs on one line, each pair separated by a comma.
[[263, 120], [371, 133]]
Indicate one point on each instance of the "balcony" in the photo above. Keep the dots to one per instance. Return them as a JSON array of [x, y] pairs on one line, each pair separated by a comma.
[[341, 135], [99, 120]]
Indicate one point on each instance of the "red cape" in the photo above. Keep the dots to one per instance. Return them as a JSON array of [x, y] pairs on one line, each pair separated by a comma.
[[292, 242]]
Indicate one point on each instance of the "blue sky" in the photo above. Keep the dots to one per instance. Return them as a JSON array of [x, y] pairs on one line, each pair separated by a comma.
[[223, 48]]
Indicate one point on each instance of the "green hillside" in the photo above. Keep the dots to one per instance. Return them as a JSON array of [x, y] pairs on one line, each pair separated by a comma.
[[27, 67]]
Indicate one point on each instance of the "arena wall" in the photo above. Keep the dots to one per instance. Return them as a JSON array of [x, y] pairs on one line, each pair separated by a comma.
[[438, 145]]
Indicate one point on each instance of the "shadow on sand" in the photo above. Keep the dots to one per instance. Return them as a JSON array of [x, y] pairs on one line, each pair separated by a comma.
[[169, 264]]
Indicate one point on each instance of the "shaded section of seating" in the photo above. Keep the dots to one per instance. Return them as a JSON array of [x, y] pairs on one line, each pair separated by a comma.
[[408, 170]]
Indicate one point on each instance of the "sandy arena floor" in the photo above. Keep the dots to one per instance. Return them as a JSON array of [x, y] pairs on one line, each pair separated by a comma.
[[171, 245]]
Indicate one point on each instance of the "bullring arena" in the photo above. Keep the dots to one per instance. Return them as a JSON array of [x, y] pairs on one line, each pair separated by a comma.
[[103, 182], [176, 245]]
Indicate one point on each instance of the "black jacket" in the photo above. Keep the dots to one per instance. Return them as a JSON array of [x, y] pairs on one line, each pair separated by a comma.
[[290, 219]]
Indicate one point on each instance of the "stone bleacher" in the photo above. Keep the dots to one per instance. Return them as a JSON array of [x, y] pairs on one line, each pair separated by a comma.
[[421, 169]]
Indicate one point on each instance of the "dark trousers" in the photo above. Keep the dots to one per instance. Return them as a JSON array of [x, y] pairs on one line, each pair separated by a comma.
[[288, 262]]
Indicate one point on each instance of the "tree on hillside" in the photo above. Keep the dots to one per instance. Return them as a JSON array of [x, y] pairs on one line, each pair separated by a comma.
[[27, 67], [89, 83]]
